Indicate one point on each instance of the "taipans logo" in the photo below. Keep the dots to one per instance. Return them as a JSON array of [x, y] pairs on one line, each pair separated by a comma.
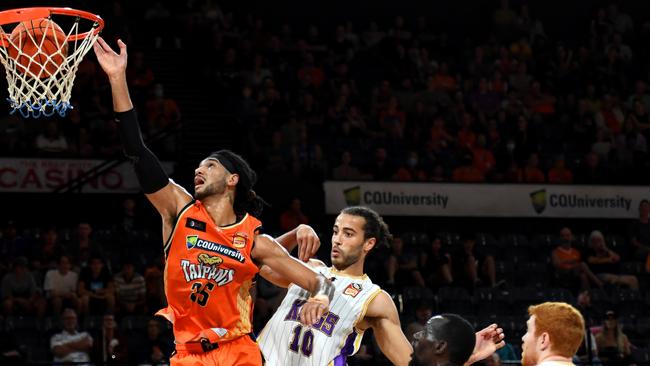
[[353, 196], [538, 199], [209, 260], [193, 241]]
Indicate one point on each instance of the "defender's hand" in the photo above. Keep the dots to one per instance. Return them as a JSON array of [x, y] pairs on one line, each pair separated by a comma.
[[308, 242], [313, 309]]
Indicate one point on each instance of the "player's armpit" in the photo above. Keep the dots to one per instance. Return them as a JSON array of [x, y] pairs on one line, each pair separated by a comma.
[[383, 318]]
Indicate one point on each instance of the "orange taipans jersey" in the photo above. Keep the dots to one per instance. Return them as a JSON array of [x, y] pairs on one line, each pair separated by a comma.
[[208, 275]]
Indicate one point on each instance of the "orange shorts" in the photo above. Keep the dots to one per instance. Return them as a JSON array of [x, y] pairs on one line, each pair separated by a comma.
[[239, 352]]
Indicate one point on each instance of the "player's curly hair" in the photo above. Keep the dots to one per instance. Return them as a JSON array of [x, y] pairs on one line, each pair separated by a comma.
[[375, 226], [246, 200]]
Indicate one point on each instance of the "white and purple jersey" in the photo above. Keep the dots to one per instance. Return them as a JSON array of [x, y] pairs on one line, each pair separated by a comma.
[[286, 342]]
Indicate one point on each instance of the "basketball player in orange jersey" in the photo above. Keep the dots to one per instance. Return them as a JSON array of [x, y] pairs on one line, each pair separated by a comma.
[[213, 248]]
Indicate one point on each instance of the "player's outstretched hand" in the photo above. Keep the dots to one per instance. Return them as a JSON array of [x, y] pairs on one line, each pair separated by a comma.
[[312, 310], [308, 242], [113, 64], [488, 340]]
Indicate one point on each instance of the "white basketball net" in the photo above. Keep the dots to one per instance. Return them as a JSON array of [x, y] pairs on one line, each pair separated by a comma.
[[36, 95]]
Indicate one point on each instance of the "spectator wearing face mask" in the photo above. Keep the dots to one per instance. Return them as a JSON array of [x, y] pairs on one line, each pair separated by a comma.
[[411, 171]]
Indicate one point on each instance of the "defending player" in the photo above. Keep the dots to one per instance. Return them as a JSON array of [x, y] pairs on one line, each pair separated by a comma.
[[554, 333], [213, 248], [358, 305]]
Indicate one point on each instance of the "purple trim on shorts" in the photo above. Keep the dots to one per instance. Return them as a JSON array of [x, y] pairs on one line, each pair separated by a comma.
[[347, 350]]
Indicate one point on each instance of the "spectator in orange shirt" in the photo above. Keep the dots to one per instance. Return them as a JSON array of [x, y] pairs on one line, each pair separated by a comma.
[[293, 216], [568, 263], [393, 119], [439, 132], [559, 174], [531, 172], [540, 102], [467, 173], [483, 158], [442, 80], [309, 74], [411, 170], [466, 136], [161, 111]]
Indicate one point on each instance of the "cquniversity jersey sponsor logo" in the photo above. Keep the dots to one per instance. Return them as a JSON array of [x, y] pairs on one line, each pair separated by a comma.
[[193, 241]]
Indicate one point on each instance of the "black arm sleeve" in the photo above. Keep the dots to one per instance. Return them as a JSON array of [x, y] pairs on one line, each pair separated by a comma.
[[150, 173]]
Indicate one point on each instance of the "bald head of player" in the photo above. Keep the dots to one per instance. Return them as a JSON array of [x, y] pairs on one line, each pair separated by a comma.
[[225, 173], [447, 339], [357, 230]]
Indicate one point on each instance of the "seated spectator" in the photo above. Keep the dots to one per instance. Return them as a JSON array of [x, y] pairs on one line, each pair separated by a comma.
[[20, 296], [540, 102], [162, 111], [71, 345], [605, 263], [9, 353], [155, 287], [402, 266], [51, 141], [613, 345], [473, 267], [45, 255], [639, 233], [467, 172], [435, 265], [423, 313], [381, 169], [61, 286], [96, 288], [82, 246], [568, 263], [293, 216], [588, 351], [155, 348], [559, 174], [483, 158], [591, 171], [129, 290], [531, 172], [347, 171], [411, 171], [109, 345]]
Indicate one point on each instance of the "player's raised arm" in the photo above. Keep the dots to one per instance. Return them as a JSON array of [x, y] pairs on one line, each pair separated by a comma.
[[165, 195], [270, 253], [304, 237], [383, 318]]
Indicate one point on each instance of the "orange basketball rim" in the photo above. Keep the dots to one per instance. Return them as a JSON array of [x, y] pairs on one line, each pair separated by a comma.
[[41, 61]]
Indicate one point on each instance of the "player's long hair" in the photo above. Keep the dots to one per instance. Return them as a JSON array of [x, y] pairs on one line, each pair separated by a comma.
[[375, 226], [246, 200]]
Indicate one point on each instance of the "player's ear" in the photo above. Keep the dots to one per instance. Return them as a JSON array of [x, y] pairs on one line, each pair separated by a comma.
[[439, 347], [544, 341], [369, 244], [232, 180]]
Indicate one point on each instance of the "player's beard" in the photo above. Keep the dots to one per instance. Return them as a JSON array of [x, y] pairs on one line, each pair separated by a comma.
[[528, 357], [218, 187], [345, 260]]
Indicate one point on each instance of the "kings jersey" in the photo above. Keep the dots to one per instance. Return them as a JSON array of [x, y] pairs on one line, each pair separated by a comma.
[[208, 276]]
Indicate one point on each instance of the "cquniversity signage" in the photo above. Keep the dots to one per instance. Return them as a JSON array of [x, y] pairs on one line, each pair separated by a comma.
[[487, 200]]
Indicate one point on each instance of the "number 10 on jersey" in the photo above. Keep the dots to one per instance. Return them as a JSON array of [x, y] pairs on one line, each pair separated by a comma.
[[307, 344]]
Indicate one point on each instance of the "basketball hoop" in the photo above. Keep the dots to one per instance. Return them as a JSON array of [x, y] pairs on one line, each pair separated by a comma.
[[41, 59]]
